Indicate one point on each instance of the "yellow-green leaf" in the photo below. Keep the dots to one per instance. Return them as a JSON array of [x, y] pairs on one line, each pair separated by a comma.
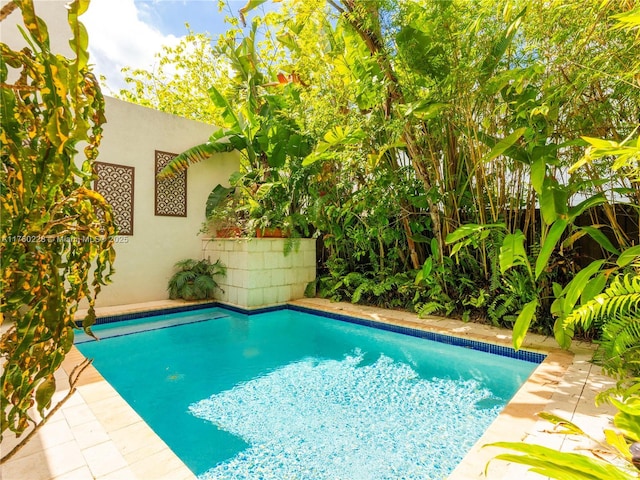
[[44, 393], [523, 321]]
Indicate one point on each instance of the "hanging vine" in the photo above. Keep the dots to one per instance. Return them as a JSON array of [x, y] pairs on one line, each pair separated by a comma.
[[57, 233]]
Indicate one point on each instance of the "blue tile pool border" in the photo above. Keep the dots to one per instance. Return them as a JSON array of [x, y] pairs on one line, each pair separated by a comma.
[[504, 351], [526, 355], [121, 317]]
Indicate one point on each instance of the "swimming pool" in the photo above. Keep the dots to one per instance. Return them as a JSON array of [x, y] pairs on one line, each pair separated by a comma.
[[288, 394]]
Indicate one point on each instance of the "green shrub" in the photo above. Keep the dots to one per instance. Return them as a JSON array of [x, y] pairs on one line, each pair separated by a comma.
[[195, 279]]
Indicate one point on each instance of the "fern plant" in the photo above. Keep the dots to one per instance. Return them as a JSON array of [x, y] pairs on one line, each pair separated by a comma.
[[195, 279], [515, 291], [617, 312]]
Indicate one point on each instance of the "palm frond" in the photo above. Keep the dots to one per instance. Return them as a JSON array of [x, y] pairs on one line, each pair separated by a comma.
[[186, 264], [195, 279], [204, 287], [220, 141], [620, 298], [617, 310]]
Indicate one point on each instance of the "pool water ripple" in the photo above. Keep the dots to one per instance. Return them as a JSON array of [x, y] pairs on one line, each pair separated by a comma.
[[332, 419]]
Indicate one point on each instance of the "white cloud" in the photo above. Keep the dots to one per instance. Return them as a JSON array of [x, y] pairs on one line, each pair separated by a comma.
[[118, 37]]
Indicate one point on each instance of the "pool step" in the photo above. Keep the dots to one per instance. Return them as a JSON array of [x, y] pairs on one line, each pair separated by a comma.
[[130, 329]]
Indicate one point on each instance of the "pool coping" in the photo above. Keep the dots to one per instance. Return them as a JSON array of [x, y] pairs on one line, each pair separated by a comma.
[[564, 383]]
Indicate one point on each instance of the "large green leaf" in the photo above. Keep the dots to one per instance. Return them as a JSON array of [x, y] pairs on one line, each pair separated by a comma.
[[44, 393], [629, 423], [553, 201], [538, 172], [216, 197], [551, 463], [590, 202], [549, 245], [513, 253], [463, 231], [516, 151], [629, 255], [523, 321], [593, 287], [503, 145], [595, 233], [196, 154], [79, 43], [37, 28], [563, 333], [574, 288], [566, 427]]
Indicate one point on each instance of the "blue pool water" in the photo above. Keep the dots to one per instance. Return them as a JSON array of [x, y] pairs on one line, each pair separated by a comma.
[[288, 394]]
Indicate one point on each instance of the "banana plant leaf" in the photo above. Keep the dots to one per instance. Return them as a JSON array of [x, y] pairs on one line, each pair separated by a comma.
[[226, 143], [216, 197], [561, 465]]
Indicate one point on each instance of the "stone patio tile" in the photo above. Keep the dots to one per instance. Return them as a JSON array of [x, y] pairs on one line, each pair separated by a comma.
[[161, 465], [89, 434], [104, 459], [45, 464], [137, 441]]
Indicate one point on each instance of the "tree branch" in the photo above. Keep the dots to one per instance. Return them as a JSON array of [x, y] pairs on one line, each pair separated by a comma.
[[73, 380]]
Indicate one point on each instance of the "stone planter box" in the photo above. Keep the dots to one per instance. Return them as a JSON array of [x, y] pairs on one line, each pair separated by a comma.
[[258, 271]]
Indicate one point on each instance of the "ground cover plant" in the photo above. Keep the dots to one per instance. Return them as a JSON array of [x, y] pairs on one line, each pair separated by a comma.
[[195, 279], [57, 233]]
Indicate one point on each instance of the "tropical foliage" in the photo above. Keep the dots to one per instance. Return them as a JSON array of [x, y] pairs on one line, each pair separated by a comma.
[[258, 119], [195, 279], [437, 148], [616, 314], [617, 457], [57, 232]]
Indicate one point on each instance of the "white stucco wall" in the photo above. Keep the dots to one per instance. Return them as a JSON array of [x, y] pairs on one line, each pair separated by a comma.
[[144, 260]]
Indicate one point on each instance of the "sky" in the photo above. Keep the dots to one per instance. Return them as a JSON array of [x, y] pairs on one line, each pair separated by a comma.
[[130, 32]]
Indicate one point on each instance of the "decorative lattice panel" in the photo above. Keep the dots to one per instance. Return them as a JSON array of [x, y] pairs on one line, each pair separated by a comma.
[[115, 183], [171, 193]]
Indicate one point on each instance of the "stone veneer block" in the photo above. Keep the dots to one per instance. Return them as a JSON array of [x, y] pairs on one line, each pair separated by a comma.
[[223, 257], [262, 244], [285, 261], [272, 259], [270, 296], [283, 293], [278, 277], [297, 291], [232, 296], [258, 272], [255, 296], [308, 258]]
